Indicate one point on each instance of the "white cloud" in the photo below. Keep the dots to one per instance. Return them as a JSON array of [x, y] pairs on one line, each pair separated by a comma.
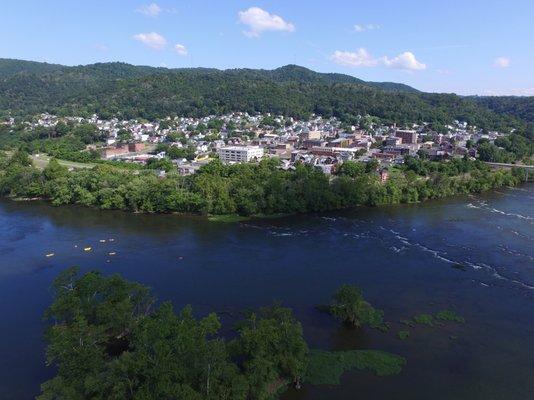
[[511, 92], [180, 49], [368, 27], [152, 10], [259, 21], [101, 47], [405, 61], [522, 91], [501, 62], [362, 58], [152, 39]]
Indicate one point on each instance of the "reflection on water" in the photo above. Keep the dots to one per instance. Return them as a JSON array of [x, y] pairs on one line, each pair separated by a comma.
[[472, 254]]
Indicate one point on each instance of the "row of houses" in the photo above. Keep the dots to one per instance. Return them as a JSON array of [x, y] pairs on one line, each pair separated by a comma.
[[239, 137]]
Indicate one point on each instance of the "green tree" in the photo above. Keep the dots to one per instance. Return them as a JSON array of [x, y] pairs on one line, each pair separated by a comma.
[[109, 343], [54, 170], [163, 164], [372, 165], [273, 348], [349, 306], [87, 133], [124, 136], [174, 152], [352, 169]]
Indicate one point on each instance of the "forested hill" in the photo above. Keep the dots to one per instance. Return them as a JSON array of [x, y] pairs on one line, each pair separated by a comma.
[[521, 107], [10, 68], [138, 91]]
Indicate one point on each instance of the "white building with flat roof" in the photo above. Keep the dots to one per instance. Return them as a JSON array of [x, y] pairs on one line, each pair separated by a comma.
[[239, 154]]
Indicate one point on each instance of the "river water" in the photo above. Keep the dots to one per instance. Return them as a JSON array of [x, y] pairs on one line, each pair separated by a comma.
[[472, 254]]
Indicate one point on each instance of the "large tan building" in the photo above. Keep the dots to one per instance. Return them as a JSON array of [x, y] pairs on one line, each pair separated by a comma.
[[311, 135]]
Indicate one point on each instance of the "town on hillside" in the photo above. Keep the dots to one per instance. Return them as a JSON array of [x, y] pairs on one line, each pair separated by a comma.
[[239, 137]]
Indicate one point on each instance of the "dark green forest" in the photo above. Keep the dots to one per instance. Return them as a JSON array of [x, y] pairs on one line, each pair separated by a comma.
[[127, 91], [521, 107]]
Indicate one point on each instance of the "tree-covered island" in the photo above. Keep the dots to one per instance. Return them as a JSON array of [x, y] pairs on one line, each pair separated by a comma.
[[110, 339]]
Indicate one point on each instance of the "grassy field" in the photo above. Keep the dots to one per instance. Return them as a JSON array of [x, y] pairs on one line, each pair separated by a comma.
[[42, 160]]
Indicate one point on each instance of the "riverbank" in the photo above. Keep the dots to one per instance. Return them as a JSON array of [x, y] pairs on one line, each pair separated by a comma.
[[232, 192], [234, 218]]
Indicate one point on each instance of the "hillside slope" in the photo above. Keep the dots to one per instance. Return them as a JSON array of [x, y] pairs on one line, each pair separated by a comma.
[[140, 91]]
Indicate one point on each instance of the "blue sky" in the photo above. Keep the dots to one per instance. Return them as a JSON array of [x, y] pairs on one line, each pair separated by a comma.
[[466, 47]]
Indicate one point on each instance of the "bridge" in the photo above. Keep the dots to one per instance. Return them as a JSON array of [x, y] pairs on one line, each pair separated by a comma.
[[495, 165]]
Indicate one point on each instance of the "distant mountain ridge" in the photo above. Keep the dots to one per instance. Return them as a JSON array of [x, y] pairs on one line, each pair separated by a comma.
[[120, 70], [293, 72], [129, 91]]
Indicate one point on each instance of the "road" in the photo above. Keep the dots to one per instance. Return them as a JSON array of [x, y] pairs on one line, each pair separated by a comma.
[[509, 166]]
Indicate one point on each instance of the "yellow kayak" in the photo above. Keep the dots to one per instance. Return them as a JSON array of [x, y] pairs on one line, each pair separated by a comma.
[[87, 248]]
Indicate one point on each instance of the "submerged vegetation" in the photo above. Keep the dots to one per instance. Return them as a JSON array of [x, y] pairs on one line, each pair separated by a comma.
[[109, 340], [407, 322], [448, 315], [402, 335], [349, 306], [424, 319], [437, 318], [430, 320], [326, 367]]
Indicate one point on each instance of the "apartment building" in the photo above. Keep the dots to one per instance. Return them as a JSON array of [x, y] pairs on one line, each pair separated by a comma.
[[239, 154]]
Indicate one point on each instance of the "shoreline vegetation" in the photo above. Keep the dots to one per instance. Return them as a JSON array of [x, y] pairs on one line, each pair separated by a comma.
[[231, 193], [109, 340]]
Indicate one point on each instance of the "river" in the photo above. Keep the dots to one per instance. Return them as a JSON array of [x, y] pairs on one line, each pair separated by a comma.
[[471, 254]]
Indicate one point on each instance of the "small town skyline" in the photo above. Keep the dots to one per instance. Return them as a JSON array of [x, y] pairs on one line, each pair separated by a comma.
[[238, 137]]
